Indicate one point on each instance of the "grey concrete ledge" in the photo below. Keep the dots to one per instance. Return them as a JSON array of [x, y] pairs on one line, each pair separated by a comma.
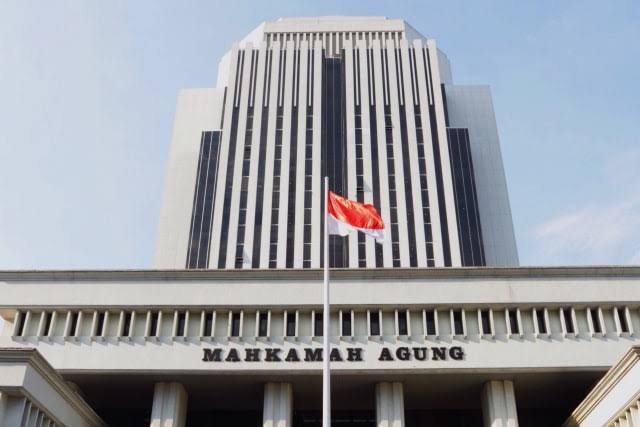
[[317, 274]]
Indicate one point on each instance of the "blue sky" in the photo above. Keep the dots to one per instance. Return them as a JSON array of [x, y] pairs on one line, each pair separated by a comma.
[[88, 91]]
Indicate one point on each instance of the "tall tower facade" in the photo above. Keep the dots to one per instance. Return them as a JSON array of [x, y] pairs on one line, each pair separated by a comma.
[[366, 101]]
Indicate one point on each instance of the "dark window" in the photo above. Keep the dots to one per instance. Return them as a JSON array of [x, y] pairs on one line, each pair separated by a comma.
[[568, 321], [235, 325], [458, 327], [404, 144], [182, 323], [257, 231], [431, 322], [154, 327], [47, 323], [403, 328], [291, 324], [263, 324], [435, 141], [346, 324], [74, 325], [373, 126], [20, 324], [513, 321], [486, 322], [100, 325], [203, 199], [622, 316], [208, 325], [374, 323], [333, 158], [318, 326], [542, 322], [465, 196], [126, 330], [595, 320]]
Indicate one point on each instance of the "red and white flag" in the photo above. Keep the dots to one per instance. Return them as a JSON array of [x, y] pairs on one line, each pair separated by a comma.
[[345, 215]]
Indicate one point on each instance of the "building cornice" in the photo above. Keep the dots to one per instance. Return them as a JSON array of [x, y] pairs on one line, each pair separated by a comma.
[[31, 357], [604, 386], [316, 274]]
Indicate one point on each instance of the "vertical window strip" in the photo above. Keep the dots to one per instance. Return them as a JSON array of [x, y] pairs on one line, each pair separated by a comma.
[[239, 66], [372, 86], [204, 194], [308, 188], [267, 78], [293, 162], [444, 227], [408, 188], [244, 185], [333, 158], [257, 225], [373, 131], [424, 188], [194, 231], [228, 187], [414, 76], [393, 204], [207, 217], [277, 166], [468, 217], [308, 172], [476, 225]]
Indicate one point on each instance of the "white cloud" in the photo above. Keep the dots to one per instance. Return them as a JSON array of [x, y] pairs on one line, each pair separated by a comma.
[[601, 231]]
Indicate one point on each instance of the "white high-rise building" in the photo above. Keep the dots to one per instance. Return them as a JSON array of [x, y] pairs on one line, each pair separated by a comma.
[[367, 101], [227, 329]]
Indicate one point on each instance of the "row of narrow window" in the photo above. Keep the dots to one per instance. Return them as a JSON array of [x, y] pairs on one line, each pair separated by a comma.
[[127, 324]]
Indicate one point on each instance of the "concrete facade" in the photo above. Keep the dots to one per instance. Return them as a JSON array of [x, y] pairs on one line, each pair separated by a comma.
[[493, 335], [272, 115]]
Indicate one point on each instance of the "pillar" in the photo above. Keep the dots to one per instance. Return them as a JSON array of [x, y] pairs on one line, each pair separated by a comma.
[[3, 406], [169, 405], [389, 404], [278, 405], [499, 404]]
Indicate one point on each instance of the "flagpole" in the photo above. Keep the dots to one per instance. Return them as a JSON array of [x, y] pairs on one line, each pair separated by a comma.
[[326, 369]]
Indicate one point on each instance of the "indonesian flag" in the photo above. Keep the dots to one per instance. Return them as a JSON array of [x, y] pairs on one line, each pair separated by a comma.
[[345, 215]]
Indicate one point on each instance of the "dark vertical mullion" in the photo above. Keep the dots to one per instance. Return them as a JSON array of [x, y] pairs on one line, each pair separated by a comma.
[[293, 161], [465, 187], [277, 167], [264, 125], [393, 201], [444, 227], [424, 188], [246, 158], [228, 187], [373, 128], [413, 260], [308, 182], [210, 194], [472, 202], [459, 196], [194, 231]]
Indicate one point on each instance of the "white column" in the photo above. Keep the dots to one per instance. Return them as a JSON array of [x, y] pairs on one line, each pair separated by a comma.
[[265, 239], [389, 404], [285, 157], [169, 405], [12, 410], [316, 180], [298, 248], [234, 207], [278, 405], [499, 404], [3, 406]]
